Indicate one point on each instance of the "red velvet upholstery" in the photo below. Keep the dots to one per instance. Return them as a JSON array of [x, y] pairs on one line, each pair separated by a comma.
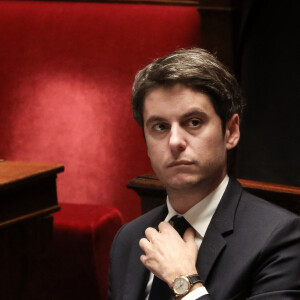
[[66, 71], [77, 267]]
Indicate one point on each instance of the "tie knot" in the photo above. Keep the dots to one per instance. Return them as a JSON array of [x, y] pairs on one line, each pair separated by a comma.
[[180, 224]]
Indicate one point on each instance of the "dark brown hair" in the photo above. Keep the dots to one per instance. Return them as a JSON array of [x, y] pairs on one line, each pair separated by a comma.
[[195, 68]]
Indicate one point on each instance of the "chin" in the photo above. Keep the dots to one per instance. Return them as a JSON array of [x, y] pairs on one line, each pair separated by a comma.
[[183, 182]]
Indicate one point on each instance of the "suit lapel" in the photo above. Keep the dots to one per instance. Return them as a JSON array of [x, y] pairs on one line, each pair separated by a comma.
[[222, 222], [137, 275], [211, 247]]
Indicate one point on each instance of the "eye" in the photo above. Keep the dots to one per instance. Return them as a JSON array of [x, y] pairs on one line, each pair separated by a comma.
[[194, 123], [159, 127]]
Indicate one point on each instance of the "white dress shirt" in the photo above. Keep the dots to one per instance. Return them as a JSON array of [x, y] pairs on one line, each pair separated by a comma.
[[199, 217]]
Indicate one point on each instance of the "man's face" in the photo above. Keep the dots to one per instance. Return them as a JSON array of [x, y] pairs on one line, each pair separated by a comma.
[[184, 137]]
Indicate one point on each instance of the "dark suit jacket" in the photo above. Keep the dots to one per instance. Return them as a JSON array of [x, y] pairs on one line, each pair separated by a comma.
[[251, 250]]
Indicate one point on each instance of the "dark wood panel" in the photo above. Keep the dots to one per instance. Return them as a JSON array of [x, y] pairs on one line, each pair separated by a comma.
[[27, 198], [28, 190], [22, 247]]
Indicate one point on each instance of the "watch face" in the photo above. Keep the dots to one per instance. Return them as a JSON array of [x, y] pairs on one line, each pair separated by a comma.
[[181, 285]]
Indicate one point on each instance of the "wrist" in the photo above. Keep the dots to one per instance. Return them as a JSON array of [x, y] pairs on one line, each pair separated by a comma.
[[184, 284], [194, 287], [171, 278]]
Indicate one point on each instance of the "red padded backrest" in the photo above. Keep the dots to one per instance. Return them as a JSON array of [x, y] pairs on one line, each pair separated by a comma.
[[66, 71]]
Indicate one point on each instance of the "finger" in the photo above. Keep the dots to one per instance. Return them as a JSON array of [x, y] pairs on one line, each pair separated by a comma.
[[146, 262], [164, 226], [150, 232], [144, 244], [189, 235], [143, 259]]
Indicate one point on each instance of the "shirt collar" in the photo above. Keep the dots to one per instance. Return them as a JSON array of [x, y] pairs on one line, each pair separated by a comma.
[[200, 215]]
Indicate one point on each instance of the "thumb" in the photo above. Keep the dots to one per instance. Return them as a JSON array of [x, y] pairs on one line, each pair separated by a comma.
[[189, 235]]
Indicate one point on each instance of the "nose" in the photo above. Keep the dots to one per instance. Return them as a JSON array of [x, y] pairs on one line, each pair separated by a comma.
[[177, 139]]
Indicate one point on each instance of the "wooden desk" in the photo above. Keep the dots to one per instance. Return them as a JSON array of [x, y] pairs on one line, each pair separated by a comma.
[[153, 193], [27, 198]]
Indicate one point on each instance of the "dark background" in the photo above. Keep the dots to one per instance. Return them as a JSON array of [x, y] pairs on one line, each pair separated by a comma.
[[267, 66]]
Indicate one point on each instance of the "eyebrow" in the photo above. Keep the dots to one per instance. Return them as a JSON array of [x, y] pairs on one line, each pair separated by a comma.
[[193, 113], [154, 119], [189, 114]]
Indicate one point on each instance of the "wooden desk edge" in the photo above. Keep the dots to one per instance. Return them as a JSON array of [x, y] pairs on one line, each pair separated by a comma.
[[39, 213], [27, 171]]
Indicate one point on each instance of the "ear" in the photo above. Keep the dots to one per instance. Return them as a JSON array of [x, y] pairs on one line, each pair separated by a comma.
[[232, 132]]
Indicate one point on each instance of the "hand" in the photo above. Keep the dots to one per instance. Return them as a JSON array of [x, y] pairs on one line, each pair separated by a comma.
[[167, 255]]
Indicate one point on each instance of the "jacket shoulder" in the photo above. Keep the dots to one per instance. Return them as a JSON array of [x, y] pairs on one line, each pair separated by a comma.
[[262, 207], [136, 228]]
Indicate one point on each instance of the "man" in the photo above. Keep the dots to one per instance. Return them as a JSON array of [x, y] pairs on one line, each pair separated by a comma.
[[237, 246]]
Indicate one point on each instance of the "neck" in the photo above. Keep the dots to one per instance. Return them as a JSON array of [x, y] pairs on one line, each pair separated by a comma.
[[184, 199]]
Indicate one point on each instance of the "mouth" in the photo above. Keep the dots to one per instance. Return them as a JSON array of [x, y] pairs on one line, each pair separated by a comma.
[[179, 163]]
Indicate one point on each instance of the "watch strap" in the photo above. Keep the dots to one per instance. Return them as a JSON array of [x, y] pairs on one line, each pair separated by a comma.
[[195, 278]]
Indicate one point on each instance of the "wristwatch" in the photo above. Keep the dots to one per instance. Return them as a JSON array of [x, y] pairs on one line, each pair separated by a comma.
[[183, 284]]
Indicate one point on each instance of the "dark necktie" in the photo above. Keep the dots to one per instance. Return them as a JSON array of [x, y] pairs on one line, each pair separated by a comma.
[[160, 290], [180, 224]]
